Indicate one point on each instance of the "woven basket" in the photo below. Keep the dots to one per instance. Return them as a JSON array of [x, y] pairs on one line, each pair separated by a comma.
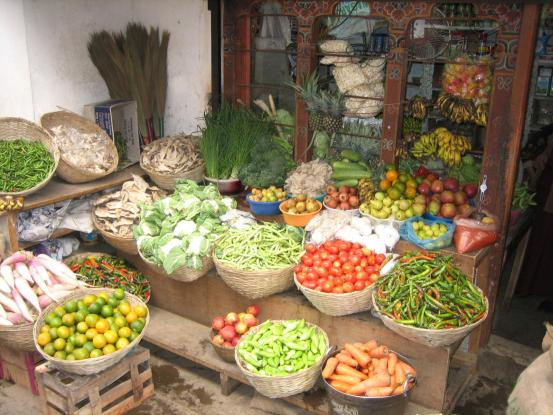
[[168, 182], [18, 128], [77, 257], [282, 386], [225, 353], [255, 284], [70, 172], [338, 304], [96, 364], [348, 77], [429, 337], [126, 245], [19, 337], [184, 273]]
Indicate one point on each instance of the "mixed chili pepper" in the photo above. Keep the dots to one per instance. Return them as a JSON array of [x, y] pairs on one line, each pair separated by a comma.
[[111, 272], [426, 290]]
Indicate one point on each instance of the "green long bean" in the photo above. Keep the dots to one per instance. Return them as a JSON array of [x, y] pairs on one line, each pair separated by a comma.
[[23, 165]]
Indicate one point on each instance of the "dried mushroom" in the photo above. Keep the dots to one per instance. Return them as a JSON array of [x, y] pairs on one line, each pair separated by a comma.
[[171, 155]]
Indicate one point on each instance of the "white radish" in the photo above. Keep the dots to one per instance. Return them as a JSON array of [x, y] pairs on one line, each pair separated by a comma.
[[46, 276], [27, 293], [5, 322], [60, 271], [44, 301], [22, 306], [3, 312], [8, 303], [19, 256], [4, 287], [15, 318], [23, 270], [37, 277], [7, 273]]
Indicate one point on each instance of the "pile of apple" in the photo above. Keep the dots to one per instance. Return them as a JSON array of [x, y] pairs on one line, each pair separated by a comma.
[[229, 329], [445, 197], [342, 198]]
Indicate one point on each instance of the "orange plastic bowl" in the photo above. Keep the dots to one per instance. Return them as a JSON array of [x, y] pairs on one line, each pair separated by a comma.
[[297, 219]]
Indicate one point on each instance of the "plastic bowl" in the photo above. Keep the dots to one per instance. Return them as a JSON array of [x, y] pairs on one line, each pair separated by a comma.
[[264, 208], [352, 212], [297, 219], [320, 197], [226, 186]]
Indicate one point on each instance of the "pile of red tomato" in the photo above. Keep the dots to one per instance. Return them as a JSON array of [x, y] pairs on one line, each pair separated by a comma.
[[338, 267]]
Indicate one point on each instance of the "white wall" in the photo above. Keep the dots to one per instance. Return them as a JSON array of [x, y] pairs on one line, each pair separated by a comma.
[[62, 74], [15, 80]]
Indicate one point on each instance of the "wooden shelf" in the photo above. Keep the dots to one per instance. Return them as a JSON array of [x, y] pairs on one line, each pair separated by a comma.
[[58, 233]]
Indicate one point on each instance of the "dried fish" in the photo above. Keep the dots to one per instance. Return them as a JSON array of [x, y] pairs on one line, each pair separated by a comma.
[[119, 211], [172, 155]]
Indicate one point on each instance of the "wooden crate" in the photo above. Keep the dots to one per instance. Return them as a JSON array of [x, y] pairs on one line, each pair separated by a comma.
[[112, 392], [19, 367]]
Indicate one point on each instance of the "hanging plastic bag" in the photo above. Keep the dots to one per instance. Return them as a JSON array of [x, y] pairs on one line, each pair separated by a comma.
[[473, 234]]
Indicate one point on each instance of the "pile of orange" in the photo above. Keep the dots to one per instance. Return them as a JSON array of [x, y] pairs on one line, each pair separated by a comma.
[[398, 185]]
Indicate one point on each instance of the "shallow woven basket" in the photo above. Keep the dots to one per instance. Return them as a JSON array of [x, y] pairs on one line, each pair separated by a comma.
[[429, 337], [282, 386], [225, 353], [126, 245], [96, 364], [338, 304], [17, 128], [77, 257], [19, 337], [184, 273], [255, 284], [70, 172]]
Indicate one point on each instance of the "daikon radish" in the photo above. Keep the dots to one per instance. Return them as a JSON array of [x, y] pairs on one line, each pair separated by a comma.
[[5, 322], [38, 278], [27, 293], [8, 303], [4, 287], [23, 271], [3, 313], [19, 256], [7, 274], [22, 306], [57, 268]]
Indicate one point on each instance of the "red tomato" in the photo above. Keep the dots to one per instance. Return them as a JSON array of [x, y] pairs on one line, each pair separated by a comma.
[[310, 248], [359, 285], [380, 258], [369, 269], [323, 255], [358, 268], [373, 277], [326, 264], [328, 287], [355, 246], [300, 277], [348, 287], [338, 290], [357, 252], [310, 284], [321, 272], [335, 271], [364, 262], [332, 257], [366, 251], [355, 260], [321, 281], [337, 264], [317, 263], [319, 288], [311, 276], [338, 281], [362, 275], [316, 256], [333, 249], [307, 260], [348, 267], [370, 259], [377, 268], [297, 268], [343, 257], [328, 244], [349, 278], [368, 283]]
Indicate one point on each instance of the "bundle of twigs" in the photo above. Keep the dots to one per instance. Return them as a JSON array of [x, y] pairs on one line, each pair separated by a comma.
[[133, 64]]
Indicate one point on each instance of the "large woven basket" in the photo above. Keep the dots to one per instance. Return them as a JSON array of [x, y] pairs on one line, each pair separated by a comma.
[[126, 245], [96, 364], [255, 284], [17, 128], [338, 304], [429, 337], [70, 172], [78, 257], [184, 273], [19, 337], [282, 386]]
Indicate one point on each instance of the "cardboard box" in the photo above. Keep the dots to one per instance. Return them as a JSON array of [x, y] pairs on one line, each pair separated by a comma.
[[119, 120]]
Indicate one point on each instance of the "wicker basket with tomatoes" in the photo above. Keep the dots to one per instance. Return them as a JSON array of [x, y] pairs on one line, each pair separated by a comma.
[[337, 277]]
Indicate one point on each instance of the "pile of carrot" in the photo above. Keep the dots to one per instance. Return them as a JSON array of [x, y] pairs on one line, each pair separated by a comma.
[[367, 369]]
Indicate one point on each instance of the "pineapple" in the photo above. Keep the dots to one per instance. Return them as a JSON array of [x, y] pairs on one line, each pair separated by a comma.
[[333, 109]]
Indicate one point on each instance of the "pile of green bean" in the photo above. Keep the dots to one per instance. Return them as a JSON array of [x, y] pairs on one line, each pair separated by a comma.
[[23, 165], [282, 348], [261, 246], [428, 291]]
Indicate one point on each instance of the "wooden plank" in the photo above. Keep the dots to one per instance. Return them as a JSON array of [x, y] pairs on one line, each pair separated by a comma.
[[57, 190], [460, 377], [228, 385], [515, 270], [129, 403]]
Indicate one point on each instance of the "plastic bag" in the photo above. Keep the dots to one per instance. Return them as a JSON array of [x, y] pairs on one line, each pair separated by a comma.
[[408, 233], [471, 234]]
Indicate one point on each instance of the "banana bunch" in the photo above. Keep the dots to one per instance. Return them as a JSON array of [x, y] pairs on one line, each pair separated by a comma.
[[425, 146], [11, 203], [417, 107], [481, 115], [366, 189], [456, 109]]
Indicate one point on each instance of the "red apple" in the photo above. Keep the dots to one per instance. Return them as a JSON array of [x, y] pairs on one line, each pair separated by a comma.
[[424, 188], [227, 344], [447, 196], [448, 210], [436, 197], [460, 198], [470, 189], [463, 208], [228, 332], [353, 191], [253, 310], [437, 186], [218, 323], [431, 177], [231, 319], [451, 183], [235, 341], [241, 327], [218, 340], [250, 320]]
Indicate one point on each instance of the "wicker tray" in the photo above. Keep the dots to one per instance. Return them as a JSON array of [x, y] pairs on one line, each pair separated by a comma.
[[96, 364], [70, 172], [225, 353], [184, 273], [255, 284], [18, 128], [338, 304], [126, 245], [430, 337], [282, 386]]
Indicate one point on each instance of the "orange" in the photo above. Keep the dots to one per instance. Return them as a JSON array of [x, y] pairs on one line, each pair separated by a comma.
[[99, 341], [410, 192], [140, 311], [391, 175], [124, 308], [384, 185], [102, 326], [90, 333], [130, 317]]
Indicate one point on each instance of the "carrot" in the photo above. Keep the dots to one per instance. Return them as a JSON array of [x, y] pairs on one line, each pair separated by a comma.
[[398, 390], [363, 358], [379, 352], [381, 379], [344, 351], [343, 369], [365, 371], [358, 345], [342, 358], [371, 344], [379, 392], [399, 374], [393, 382], [330, 367], [381, 365], [341, 386], [392, 360], [408, 369], [352, 380]]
